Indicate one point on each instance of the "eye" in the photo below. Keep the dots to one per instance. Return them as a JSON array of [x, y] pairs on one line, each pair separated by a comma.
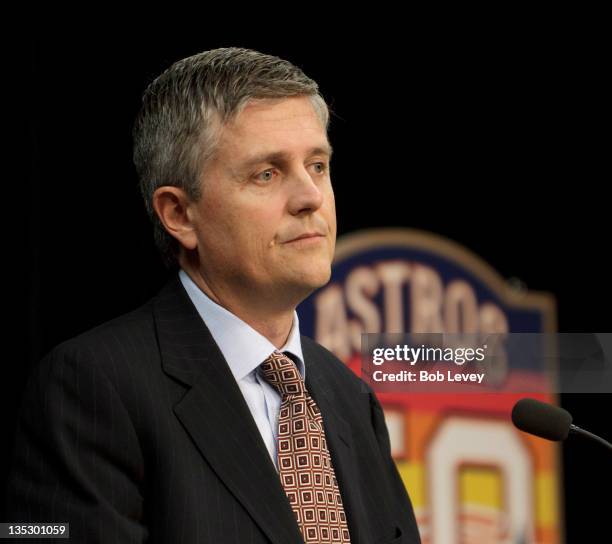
[[321, 167], [265, 176]]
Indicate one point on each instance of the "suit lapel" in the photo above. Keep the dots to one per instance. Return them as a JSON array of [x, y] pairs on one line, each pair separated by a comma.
[[339, 440], [216, 416]]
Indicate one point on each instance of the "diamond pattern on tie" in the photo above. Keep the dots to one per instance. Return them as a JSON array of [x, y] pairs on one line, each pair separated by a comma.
[[304, 463]]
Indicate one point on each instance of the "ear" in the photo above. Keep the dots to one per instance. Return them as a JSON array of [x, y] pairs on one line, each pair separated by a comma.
[[173, 208]]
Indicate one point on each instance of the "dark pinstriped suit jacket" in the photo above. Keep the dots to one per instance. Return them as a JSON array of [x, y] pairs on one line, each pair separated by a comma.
[[137, 431]]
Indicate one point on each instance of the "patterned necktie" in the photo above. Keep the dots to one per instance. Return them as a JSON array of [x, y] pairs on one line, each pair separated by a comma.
[[304, 463]]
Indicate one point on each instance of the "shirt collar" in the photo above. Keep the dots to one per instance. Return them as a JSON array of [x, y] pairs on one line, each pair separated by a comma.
[[242, 346]]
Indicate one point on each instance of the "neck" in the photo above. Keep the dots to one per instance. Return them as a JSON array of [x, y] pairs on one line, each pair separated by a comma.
[[272, 322]]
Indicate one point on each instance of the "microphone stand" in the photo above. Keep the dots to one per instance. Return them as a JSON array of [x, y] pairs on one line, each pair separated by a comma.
[[577, 430]]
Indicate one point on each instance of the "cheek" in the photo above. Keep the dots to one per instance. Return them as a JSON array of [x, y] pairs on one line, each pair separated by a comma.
[[330, 209], [259, 225], [330, 217], [219, 227]]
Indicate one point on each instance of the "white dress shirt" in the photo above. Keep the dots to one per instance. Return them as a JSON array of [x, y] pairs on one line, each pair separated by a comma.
[[244, 350]]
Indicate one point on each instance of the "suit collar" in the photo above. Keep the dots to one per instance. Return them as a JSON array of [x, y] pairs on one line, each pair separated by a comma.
[[217, 418], [243, 347]]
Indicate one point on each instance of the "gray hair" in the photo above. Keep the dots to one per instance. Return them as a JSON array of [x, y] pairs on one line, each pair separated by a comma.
[[183, 110]]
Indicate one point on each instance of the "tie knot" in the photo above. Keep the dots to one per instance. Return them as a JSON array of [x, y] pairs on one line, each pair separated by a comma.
[[282, 374]]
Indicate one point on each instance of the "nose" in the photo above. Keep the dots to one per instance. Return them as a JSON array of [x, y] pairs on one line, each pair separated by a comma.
[[305, 192]]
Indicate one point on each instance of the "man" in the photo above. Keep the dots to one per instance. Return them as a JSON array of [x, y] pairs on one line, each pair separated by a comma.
[[204, 415]]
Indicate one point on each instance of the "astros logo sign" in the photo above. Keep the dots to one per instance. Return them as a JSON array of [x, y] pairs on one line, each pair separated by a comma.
[[471, 475]]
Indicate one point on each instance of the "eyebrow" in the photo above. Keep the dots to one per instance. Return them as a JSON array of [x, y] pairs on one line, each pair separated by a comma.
[[280, 156]]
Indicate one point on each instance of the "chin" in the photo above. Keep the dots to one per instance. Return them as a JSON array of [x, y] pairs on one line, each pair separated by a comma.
[[305, 282], [318, 279]]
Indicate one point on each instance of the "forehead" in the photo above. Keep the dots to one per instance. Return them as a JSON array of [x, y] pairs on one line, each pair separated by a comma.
[[274, 123]]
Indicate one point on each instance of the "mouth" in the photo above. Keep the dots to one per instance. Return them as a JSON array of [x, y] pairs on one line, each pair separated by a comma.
[[307, 238]]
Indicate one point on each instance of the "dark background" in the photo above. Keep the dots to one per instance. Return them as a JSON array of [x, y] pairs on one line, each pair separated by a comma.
[[500, 143]]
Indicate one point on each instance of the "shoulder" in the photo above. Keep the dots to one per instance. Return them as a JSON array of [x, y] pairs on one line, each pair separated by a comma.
[[120, 330], [108, 349], [126, 334]]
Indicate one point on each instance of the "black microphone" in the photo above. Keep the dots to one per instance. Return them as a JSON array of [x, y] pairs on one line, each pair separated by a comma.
[[548, 421]]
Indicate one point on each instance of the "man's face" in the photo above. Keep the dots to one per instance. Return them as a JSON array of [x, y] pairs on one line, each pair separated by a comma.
[[268, 184]]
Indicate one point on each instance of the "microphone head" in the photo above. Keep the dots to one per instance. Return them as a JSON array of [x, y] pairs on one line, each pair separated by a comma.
[[541, 419]]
